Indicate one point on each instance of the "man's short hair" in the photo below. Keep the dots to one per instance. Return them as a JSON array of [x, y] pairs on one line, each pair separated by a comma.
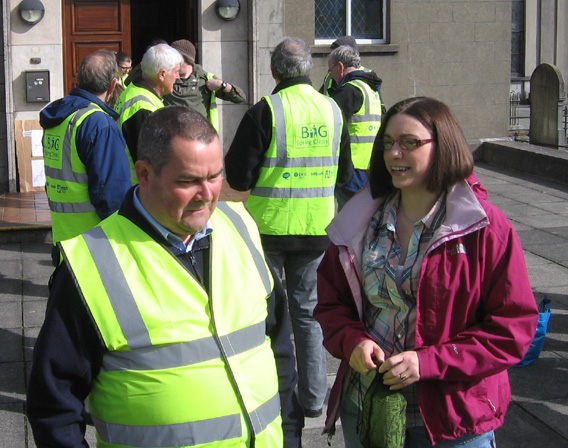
[[159, 57], [291, 58], [163, 125], [97, 71], [347, 56]]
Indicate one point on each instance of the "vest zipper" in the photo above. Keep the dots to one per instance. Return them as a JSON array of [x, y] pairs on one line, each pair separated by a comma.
[[224, 355]]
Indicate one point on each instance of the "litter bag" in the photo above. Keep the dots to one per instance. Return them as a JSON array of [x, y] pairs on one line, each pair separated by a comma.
[[384, 417], [541, 329]]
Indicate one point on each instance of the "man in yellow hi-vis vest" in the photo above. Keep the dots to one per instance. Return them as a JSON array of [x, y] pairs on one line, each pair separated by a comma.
[[287, 152], [166, 315], [160, 69], [357, 93], [86, 166]]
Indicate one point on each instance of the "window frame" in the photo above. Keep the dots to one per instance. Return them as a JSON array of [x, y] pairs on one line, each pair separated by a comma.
[[360, 41]]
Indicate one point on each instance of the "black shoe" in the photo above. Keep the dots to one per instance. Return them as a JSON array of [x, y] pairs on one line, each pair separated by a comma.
[[313, 413]]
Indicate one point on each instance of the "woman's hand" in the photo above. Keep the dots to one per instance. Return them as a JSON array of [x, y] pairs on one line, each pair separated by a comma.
[[401, 370], [365, 357]]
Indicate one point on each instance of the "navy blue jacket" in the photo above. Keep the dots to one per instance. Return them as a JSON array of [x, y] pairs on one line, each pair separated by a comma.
[[101, 148]]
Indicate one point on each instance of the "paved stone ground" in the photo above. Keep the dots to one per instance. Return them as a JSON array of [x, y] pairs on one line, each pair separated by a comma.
[[538, 415]]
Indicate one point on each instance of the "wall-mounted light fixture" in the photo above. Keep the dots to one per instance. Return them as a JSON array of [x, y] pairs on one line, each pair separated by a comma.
[[31, 11], [227, 9]]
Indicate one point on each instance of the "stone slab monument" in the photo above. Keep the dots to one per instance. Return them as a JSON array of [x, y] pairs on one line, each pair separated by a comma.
[[548, 103]]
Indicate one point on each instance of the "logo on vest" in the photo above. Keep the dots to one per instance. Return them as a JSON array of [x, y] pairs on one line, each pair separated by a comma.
[[312, 136], [51, 147], [286, 175]]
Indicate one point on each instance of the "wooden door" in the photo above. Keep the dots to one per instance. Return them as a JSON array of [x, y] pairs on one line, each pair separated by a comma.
[[90, 25]]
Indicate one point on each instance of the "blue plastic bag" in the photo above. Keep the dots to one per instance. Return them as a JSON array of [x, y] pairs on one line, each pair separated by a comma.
[[541, 329]]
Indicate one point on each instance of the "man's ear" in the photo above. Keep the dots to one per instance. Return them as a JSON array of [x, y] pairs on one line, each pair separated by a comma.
[[111, 88], [162, 74], [143, 172]]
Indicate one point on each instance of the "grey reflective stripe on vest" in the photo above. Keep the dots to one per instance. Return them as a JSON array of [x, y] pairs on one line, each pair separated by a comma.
[[243, 231], [265, 414], [131, 101], [71, 207], [363, 139], [367, 115], [362, 118], [293, 193], [120, 295], [281, 135], [186, 353], [66, 173], [187, 434]]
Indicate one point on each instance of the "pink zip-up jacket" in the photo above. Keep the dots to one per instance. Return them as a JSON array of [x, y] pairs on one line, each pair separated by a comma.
[[476, 312]]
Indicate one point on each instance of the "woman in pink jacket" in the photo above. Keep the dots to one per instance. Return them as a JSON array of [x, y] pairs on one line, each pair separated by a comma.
[[425, 283]]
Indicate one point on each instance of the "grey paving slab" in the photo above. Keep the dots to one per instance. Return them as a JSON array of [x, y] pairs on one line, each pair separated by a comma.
[[534, 260], [543, 222], [10, 251], [12, 386], [34, 313], [555, 252], [560, 231], [30, 336], [522, 210], [524, 429], [35, 289], [538, 237], [546, 276], [11, 345], [13, 426], [11, 315]]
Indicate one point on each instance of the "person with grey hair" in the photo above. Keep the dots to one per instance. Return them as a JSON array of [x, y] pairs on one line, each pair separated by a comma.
[[288, 150], [86, 165], [160, 69], [357, 93], [347, 41], [167, 316]]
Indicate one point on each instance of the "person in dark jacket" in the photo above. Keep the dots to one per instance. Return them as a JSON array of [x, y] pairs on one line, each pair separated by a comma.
[[142, 317], [96, 148], [357, 93], [288, 149], [160, 69], [198, 89]]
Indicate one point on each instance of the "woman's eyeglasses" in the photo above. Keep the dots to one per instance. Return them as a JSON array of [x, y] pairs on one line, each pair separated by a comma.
[[126, 69], [405, 143]]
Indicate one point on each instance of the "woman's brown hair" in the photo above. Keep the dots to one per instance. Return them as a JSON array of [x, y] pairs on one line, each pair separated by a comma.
[[452, 159]]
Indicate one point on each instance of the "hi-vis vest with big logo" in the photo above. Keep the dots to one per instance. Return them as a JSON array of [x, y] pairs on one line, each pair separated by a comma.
[[213, 111], [132, 100], [66, 182], [294, 194], [183, 368], [364, 125]]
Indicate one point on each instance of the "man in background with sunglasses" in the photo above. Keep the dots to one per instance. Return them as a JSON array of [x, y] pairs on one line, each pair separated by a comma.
[[357, 94]]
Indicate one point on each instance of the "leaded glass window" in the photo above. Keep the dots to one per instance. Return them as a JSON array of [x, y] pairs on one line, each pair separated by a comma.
[[365, 20]]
